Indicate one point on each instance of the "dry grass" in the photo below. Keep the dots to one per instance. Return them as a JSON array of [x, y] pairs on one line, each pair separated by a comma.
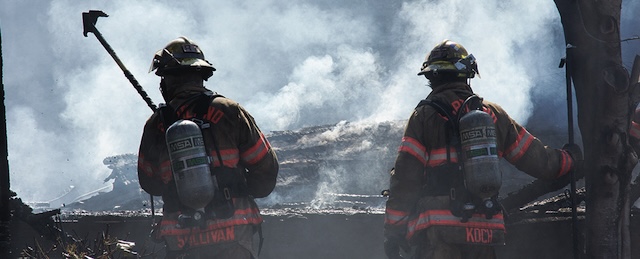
[[103, 246]]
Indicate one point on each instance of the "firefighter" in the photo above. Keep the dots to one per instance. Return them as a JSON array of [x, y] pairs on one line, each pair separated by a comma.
[[241, 163], [429, 206]]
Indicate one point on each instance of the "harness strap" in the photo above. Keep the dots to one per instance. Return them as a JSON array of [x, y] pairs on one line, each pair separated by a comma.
[[261, 239], [452, 137], [200, 110], [448, 179]]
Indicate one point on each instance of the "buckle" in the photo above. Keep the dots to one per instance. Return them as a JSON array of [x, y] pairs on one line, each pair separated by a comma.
[[227, 193], [202, 124]]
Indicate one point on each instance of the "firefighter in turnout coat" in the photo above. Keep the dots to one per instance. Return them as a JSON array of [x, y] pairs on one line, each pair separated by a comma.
[[240, 157], [420, 210]]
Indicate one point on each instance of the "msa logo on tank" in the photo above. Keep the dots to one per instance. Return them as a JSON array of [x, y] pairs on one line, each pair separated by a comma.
[[179, 145], [480, 142]]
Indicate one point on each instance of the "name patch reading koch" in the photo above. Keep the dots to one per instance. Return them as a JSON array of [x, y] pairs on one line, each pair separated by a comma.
[[479, 235]]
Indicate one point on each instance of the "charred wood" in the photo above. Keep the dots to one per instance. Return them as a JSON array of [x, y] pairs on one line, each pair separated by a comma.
[[534, 190]]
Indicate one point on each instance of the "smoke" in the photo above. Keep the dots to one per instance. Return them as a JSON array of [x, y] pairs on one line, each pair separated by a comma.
[[291, 64], [324, 89], [359, 166], [345, 164], [629, 30]]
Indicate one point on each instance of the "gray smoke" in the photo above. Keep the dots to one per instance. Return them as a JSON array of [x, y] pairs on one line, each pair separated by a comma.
[[291, 64], [629, 30]]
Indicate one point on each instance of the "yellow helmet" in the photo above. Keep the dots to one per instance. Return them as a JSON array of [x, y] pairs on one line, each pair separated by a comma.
[[449, 57], [179, 55]]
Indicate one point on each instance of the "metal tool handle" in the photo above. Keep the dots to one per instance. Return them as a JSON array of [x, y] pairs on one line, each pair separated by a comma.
[[89, 20]]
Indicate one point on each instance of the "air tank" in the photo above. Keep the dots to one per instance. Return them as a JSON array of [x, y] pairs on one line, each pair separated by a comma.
[[190, 165], [482, 174]]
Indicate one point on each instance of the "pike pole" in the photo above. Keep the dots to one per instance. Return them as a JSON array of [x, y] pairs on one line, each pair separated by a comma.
[[574, 206], [89, 20]]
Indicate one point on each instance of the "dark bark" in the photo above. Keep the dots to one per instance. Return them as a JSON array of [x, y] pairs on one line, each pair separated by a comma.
[[634, 192], [604, 97]]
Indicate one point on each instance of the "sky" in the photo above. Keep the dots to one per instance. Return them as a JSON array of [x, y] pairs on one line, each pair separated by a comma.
[[291, 64]]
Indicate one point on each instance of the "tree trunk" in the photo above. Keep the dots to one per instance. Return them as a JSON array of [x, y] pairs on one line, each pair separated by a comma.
[[592, 34], [634, 192], [5, 210]]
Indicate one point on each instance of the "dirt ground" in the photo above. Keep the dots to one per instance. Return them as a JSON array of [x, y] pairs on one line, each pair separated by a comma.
[[316, 235]]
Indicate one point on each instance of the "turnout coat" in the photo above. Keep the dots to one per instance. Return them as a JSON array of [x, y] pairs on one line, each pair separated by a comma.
[[244, 151], [424, 148]]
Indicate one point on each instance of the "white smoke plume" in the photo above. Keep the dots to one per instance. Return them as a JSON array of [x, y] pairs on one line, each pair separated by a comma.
[[291, 64]]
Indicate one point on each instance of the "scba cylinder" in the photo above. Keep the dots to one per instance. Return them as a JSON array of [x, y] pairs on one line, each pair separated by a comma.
[[190, 164], [482, 174]]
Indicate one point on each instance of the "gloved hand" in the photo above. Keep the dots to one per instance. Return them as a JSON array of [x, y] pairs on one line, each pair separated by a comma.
[[573, 150], [576, 154], [392, 247]]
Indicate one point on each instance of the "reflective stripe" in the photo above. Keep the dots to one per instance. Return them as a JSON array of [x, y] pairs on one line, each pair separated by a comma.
[[439, 156], [164, 171], [566, 163], [634, 130], [249, 216], [230, 157], [395, 217], [144, 166], [255, 153], [445, 218], [166, 174], [520, 146], [413, 147]]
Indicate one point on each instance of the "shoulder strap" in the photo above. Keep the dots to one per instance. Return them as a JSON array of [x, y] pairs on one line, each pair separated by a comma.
[[472, 102], [167, 115], [201, 105], [447, 111], [443, 109]]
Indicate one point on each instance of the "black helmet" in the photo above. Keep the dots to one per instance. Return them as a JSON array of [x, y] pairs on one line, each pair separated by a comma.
[[449, 57], [179, 55]]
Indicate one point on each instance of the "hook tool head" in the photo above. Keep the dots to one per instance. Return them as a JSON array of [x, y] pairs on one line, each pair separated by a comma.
[[89, 20]]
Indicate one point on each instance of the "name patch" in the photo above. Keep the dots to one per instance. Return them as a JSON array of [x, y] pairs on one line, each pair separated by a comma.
[[207, 238], [479, 236]]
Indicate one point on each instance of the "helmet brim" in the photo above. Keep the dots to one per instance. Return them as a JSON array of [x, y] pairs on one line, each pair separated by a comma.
[[438, 66], [195, 62]]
